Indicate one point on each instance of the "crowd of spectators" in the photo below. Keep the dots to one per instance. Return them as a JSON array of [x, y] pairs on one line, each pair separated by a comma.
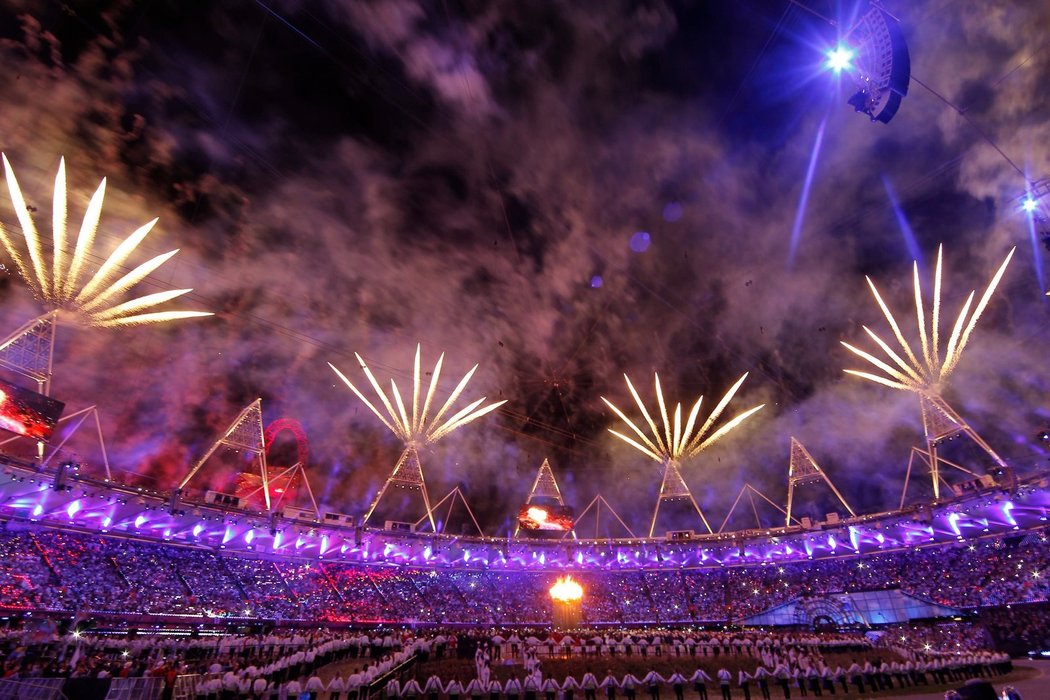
[[90, 573]]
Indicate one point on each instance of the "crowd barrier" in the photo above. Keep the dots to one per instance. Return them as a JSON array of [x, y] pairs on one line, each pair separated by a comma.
[[32, 689]]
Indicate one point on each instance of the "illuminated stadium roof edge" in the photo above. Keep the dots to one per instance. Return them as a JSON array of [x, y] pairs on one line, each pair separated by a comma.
[[30, 496]]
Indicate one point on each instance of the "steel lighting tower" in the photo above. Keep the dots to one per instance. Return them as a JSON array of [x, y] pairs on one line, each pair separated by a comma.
[[63, 285], [416, 428], [926, 373], [676, 443], [802, 470]]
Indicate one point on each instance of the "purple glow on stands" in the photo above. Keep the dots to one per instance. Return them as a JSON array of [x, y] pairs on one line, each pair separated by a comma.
[[953, 524]]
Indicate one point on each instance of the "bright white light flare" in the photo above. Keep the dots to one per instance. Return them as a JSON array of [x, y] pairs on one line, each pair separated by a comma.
[[923, 372], [420, 428], [677, 442], [58, 283], [840, 58]]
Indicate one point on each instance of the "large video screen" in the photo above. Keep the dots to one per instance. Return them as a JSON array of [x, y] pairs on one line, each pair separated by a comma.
[[545, 521], [28, 413]]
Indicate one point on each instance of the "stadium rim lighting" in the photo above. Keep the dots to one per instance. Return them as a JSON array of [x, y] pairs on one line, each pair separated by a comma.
[[839, 58]]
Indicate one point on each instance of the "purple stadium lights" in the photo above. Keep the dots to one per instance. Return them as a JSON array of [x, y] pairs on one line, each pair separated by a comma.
[[95, 506]]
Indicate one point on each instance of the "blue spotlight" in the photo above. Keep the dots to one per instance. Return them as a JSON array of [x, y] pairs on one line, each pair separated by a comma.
[[1029, 204], [840, 58]]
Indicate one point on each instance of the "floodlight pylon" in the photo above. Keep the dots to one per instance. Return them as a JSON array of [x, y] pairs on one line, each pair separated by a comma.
[[417, 423], [940, 422], [674, 488], [680, 438], [543, 486], [925, 373], [30, 350], [407, 474], [245, 434], [802, 470]]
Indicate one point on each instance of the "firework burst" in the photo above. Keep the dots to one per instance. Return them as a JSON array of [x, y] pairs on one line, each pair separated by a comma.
[[57, 283], [924, 372], [676, 442], [420, 427]]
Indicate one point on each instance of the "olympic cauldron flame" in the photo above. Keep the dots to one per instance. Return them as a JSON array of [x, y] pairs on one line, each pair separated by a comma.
[[565, 589]]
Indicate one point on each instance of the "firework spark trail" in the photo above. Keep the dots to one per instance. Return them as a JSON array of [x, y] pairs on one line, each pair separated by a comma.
[[910, 373], [675, 442], [57, 284], [419, 428]]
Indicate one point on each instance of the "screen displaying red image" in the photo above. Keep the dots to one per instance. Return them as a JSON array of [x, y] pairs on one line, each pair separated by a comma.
[[28, 413], [536, 519]]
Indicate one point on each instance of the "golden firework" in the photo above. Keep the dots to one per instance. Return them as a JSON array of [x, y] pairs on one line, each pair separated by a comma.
[[420, 427], [923, 372], [677, 442], [58, 283]]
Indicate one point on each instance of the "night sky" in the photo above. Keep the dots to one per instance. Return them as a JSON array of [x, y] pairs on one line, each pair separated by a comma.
[[362, 176]]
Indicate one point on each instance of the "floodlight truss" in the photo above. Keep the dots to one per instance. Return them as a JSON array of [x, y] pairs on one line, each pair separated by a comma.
[[245, 434], [676, 441], [414, 424], [802, 470], [925, 373]]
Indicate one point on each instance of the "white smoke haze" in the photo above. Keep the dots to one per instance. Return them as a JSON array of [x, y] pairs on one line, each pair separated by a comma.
[[392, 173]]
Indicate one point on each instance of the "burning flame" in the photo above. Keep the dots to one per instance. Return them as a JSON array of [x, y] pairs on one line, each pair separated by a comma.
[[565, 589], [537, 514]]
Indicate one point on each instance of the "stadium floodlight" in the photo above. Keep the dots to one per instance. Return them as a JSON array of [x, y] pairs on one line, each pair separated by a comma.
[[840, 58], [1029, 204], [877, 61], [416, 423], [676, 442], [925, 372]]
